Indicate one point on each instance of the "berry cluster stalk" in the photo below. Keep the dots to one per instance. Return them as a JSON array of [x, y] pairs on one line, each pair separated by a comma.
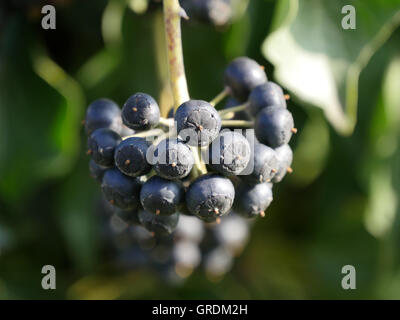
[[172, 21]]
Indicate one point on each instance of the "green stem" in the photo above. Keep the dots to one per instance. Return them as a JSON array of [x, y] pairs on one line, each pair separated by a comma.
[[172, 22], [166, 122], [149, 133], [165, 97], [234, 109], [199, 164], [238, 123], [220, 96]]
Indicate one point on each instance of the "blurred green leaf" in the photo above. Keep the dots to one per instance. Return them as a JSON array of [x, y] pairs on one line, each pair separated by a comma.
[[382, 203], [105, 61], [319, 61], [41, 108], [384, 133], [77, 217], [312, 150]]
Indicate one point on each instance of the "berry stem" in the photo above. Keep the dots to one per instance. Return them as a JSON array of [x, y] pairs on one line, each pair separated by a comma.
[[166, 122], [165, 98], [149, 133], [199, 164], [238, 123], [172, 22], [159, 138], [220, 96], [234, 109]]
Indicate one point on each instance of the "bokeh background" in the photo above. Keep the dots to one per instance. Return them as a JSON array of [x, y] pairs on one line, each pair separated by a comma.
[[339, 207]]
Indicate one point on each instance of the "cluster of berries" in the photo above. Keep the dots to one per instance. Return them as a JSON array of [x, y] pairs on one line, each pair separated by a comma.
[[153, 168], [193, 245]]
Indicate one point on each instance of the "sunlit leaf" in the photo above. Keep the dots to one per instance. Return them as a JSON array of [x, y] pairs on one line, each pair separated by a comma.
[[319, 61]]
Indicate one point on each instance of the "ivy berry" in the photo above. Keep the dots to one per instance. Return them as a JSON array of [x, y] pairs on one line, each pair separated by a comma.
[[140, 112]]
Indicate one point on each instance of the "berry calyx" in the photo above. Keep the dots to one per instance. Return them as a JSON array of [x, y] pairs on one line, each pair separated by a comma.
[[284, 155], [101, 146], [274, 126], [254, 199], [197, 122], [263, 167], [210, 196], [160, 196], [174, 159], [230, 153], [140, 112], [120, 190], [131, 157]]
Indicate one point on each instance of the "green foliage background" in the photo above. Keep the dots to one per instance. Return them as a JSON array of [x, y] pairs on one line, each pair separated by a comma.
[[339, 207]]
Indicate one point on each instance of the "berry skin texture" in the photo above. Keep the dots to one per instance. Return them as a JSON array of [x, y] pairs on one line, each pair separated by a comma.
[[265, 165], [198, 123], [266, 95], [242, 75], [174, 159], [210, 196], [273, 126], [253, 200], [285, 157], [160, 225], [120, 190], [130, 217], [96, 171], [160, 196], [103, 113], [130, 157], [140, 112], [230, 153], [101, 146]]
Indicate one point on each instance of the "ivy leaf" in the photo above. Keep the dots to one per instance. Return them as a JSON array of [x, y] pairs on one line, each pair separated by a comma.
[[319, 61]]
